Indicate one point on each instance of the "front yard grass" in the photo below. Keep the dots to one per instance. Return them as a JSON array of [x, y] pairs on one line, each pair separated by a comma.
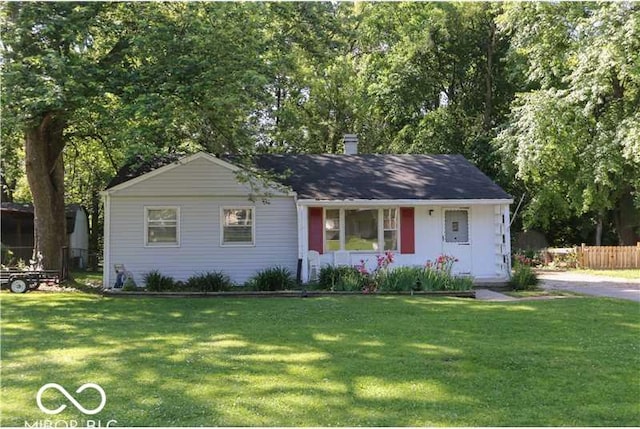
[[538, 293], [624, 274], [340, 361]]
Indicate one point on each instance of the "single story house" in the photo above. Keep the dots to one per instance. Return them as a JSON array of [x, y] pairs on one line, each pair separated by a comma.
[[18, 236], [201, 213]]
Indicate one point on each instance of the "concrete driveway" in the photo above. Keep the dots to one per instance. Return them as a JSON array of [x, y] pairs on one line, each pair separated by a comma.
[[588, 284]]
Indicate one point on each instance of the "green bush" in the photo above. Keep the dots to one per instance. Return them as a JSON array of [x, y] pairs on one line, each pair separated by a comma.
[[400, 279], [156, 282], [211, 281], [437, 280], [523, 278], [270, 279], [341, 278]]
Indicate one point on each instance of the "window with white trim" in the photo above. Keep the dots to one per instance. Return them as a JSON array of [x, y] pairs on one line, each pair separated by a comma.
[[332, 229], [390, 228], [361, 229], [162, 226], [238, 228]]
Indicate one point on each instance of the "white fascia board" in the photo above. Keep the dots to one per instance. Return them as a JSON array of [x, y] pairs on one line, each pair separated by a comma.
[[360, 202]]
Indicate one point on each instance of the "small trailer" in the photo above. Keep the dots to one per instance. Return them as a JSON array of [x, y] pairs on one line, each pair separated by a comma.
[[20, 281]]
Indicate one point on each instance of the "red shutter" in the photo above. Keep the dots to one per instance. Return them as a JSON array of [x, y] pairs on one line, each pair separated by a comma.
[[407, 230], [315, 229]]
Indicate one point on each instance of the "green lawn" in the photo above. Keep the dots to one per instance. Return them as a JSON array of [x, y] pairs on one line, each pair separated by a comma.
[[625, 274], [340, 361]]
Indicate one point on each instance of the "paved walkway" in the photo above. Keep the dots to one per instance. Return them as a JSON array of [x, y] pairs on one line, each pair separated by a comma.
[[589, 284], [489, 295]]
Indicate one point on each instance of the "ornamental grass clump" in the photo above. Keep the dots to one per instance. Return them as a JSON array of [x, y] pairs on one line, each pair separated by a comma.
[[523, 278], [437, 276], [272, 279], [400, 279], [211, 281], [157, 282], [339, 278]]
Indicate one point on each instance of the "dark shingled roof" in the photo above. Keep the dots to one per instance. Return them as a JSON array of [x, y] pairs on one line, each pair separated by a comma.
[[139, 166], [367, 177], [26, 210], [383, 177]]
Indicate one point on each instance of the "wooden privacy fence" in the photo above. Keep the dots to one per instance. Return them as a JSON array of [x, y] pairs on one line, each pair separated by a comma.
[[608, 257]]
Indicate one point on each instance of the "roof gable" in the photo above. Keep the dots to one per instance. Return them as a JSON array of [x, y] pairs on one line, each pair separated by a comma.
[[139, 170]]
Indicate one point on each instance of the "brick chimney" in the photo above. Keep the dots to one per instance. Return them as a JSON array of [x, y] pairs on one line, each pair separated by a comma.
[[350, 144]]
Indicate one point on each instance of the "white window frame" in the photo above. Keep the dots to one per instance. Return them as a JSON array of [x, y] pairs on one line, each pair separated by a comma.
[[146, 226], [444, 225], [253, 226], [381, 229]]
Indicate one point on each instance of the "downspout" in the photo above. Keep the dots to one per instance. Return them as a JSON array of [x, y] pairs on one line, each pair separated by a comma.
[[507, 236], [302, 254]]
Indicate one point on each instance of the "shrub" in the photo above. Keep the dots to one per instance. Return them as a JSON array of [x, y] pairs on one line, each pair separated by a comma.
[[434, 276], [339, 278], [523, 278], [211, 281], [156, 282], [431, 279], [270, 279], [400, 279], [351, 280]]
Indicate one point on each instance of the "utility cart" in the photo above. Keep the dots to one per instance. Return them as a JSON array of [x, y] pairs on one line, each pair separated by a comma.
[[20, 281]]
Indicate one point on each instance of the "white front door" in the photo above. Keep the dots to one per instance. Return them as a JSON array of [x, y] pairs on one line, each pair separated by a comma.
[[456, 240]]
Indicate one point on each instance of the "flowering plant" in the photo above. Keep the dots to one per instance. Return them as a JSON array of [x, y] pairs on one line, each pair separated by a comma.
[[444, 263], [370, 280]]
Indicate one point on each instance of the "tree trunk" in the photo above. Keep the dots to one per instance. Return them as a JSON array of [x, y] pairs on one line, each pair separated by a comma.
[[626, 218], [599, 230], [45, 174]]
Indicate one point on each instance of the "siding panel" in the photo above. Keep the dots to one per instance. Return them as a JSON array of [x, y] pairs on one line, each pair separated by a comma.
[[197, 177], [200, 250]]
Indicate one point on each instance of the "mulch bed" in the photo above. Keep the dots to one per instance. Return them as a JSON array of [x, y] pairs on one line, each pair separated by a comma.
[[279, 294]]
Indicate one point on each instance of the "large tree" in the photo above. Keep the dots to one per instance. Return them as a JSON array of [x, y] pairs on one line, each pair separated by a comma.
[[130, 77], [574, 138], [50, 56]]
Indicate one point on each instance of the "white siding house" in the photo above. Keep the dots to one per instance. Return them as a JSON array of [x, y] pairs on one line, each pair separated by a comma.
[[197, 189], [197, 214]]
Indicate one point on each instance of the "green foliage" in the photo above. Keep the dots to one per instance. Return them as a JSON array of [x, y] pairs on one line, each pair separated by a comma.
[[434, 280], [339, 278], [572, 137], [272, 279], [400, 279], [154, 281], [212, 281], [523, 277], [431, 277]]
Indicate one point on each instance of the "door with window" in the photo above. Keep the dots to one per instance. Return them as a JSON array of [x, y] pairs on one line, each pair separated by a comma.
[[456, 240]]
